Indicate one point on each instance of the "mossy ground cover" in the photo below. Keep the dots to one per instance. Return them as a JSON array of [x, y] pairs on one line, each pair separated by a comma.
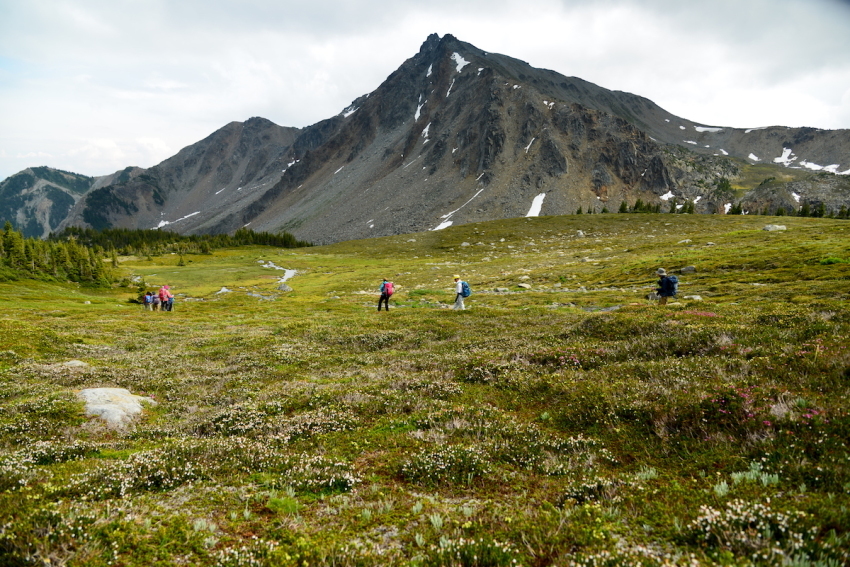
[[572, 422]]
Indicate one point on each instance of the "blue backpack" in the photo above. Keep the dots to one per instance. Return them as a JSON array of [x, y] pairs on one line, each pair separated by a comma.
[[465, 291], [671, 285]]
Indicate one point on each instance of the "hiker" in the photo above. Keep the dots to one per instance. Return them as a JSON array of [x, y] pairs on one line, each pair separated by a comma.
[[155, 301], [166, 298], [459, 294], [667, 286], [386, 292], [148, 301]]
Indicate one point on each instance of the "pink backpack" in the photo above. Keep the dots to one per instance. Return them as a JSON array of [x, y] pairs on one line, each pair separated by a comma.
[[388, 288]]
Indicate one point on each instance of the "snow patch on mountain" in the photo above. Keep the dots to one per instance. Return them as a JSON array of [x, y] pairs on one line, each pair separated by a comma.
[[461, 62], [786, 158], [163, 223], [707, 129], [448, 222], [536, 205]]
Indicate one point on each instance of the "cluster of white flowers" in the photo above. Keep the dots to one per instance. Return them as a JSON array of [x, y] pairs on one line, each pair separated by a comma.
[[594, 489], [631, 555], [256, 554], [522, 445], [44, 528], [453, 464], [157, 469], [314, 473], [481, 551], [15, 471], [752, 529], [376, 341], [308, 424], [267, 421]]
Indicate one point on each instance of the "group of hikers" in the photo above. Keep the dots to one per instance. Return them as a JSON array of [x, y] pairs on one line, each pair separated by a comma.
[[163, 300], [668, 286], [462, 290]]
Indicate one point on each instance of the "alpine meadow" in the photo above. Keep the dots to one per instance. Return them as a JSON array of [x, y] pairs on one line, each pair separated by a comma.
[[563, 418]]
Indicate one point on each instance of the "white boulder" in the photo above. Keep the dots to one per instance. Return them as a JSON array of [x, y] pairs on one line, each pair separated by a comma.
[[116, 406]]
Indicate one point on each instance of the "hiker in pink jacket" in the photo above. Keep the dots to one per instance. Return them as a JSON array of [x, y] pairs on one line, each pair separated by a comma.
[[166, 298]]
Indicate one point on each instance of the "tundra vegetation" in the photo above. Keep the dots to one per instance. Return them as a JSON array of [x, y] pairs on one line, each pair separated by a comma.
[[565, 422]]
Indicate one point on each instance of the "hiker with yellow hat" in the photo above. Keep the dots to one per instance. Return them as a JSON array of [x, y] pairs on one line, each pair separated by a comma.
[[461, 291]]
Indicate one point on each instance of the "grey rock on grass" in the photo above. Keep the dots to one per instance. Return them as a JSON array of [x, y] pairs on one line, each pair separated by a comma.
[[116, 406]]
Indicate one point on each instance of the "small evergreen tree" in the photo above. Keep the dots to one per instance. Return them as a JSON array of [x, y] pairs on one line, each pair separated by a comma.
[[624, 208]]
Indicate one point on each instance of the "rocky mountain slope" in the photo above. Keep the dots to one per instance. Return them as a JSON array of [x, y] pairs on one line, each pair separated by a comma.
[[459, 135]]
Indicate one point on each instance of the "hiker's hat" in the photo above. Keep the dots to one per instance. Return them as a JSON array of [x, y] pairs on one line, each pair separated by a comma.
[[457, 277], [661, 272]]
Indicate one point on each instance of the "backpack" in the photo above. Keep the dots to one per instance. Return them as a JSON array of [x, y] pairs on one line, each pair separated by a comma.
[[148, 299], [672, 285], [388, 288], [465, 291]]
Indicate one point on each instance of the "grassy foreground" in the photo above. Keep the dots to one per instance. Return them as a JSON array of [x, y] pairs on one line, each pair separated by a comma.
[[568, 423]]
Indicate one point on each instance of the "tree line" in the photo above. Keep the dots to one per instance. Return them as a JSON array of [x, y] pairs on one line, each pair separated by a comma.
[[50, 260], [86, 255], [153, 242]]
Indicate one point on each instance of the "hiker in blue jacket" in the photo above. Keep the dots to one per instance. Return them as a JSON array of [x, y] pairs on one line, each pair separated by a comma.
[[386, 292], [666, 286]]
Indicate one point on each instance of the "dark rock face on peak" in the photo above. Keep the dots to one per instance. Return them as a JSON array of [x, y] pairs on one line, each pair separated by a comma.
[[37, 199], [458, 135]]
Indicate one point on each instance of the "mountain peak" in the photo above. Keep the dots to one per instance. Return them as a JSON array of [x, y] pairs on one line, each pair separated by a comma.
[[454, 135], [430, 44]]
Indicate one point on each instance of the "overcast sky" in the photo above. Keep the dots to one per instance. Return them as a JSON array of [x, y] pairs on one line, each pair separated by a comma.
[[92, 86]]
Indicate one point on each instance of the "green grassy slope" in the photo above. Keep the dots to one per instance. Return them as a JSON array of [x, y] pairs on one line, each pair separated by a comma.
[[573, 422]]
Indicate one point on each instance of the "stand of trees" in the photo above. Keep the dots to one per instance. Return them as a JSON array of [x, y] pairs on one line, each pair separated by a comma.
[[60, 261], [155, 241], [88, 256]]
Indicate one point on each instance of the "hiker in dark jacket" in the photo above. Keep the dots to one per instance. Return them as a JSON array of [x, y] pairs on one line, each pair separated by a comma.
[[666, 286]]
